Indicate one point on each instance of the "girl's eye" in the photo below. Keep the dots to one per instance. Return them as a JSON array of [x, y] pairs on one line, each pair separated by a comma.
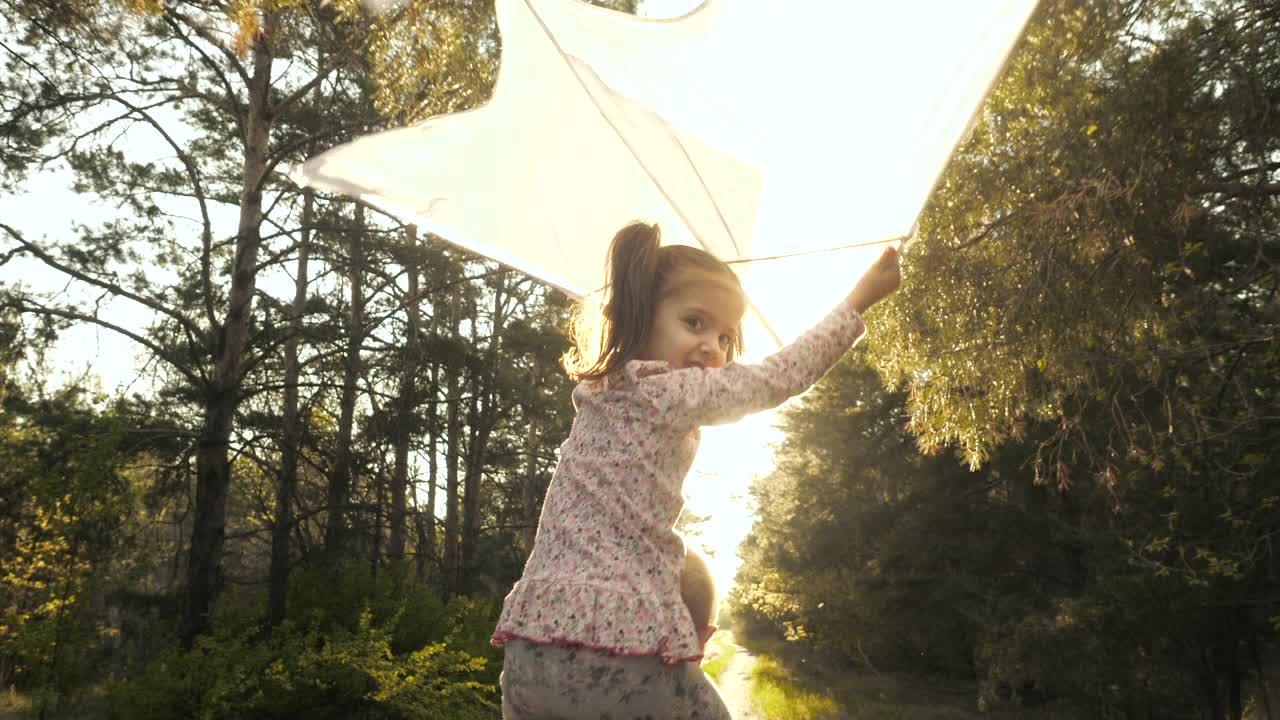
[[726, 340], [694, 323]]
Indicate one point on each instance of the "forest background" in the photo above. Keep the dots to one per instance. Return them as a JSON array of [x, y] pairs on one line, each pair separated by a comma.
[[1050, 475]]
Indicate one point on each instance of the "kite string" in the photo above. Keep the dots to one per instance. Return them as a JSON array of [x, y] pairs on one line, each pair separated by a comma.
[[904, 239]]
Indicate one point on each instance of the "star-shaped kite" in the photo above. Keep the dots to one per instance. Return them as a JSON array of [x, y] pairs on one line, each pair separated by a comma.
[[753, 129]]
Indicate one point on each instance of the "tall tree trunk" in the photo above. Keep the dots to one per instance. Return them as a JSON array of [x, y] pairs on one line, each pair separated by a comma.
[[481, 417], [291, 436], [420, 530], [400, 475], [213, 467], [1231, 659], [427, 551], [339, 494], [379, 513], [529, 506], [478, 426], [425, 518], [1209, 677], [453, 437], [1259, 668]]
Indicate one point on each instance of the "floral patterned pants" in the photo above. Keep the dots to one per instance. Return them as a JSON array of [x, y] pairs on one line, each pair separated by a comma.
[[553, 682]]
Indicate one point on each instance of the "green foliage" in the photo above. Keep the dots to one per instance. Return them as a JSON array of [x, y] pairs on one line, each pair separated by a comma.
[[861, 544], [915, 564], [340, 598], [306, 671], [355, 645], [411, 611], [65, 492], [470, 622]]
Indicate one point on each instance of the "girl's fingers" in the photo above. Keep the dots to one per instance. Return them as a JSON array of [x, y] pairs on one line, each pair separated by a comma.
[[889, 256]]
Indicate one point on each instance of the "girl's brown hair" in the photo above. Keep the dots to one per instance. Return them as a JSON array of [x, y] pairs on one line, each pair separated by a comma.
[[640, 272]]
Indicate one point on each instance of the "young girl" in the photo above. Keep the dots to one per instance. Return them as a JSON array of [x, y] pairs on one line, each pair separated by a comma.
[[596, 627]]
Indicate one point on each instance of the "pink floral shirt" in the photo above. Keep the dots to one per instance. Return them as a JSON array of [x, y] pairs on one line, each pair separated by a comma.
[[605, 568]]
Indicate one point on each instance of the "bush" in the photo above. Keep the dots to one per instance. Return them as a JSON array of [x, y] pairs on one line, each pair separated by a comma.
[[356, 645], [308, 672]]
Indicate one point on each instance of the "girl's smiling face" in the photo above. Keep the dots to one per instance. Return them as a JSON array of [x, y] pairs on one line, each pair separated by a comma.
[[695, 323]]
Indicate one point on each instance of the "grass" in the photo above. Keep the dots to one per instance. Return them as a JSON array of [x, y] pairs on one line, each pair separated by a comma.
[[777, 696], [720, 651], [783, 687], [14, 704]]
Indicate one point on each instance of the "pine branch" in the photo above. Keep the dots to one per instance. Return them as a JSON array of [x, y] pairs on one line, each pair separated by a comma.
[[237, 110], [193, 176], [293, 97], [24, 305], [232, 58], [110, 287]]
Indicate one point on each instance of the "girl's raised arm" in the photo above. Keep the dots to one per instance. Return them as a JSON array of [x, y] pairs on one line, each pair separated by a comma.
[[696, 396], [708, 396]]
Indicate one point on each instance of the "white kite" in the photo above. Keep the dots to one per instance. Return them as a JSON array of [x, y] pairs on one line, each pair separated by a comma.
[[753, 129]]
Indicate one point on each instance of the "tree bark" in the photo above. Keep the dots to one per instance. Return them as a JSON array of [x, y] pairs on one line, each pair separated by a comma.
[[213, 470], [453, 437], [424, 519], [479, 427], [339, 492], [481, 417], [529, 505], [1231, 658], [427, 551], [291, 436], [400, 475]]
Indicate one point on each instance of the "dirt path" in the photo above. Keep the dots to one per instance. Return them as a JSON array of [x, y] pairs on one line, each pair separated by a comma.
[[735, 685]]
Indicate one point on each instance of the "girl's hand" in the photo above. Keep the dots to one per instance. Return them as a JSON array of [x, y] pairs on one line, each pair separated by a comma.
[[878, 282]]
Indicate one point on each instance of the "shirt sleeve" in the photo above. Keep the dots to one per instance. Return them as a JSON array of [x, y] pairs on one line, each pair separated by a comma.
[[693, 397]]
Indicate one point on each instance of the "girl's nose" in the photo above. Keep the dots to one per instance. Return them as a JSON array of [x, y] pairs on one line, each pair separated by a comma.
[[714, 355]]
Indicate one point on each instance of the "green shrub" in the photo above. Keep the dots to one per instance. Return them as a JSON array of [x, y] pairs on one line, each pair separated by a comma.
[[470, 622], [312, 673]]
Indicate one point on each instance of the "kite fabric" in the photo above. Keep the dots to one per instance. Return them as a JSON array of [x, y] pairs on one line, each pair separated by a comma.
[[748, 128]]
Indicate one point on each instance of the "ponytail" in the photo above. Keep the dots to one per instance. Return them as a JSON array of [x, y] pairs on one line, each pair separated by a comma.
[[632, 284], [608, 333]]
